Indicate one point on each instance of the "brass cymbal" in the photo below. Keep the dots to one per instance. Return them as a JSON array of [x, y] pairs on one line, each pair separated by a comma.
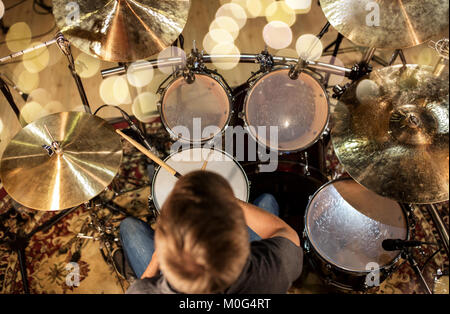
[[121, 30], [84, 162], [391, 133], [401, 23]]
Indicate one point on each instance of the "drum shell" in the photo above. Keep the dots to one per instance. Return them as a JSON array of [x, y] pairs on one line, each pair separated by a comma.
[[339, 277]]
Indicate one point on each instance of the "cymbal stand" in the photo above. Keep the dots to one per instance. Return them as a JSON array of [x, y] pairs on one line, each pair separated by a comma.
[[407, 254], [19, 242], [106, 234], [65, 47]]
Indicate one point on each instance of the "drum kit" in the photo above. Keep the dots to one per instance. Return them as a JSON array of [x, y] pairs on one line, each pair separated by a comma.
[[389, 129]]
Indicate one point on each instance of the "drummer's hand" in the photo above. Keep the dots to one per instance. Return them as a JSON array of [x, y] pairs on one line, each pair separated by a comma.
[[152, 268]]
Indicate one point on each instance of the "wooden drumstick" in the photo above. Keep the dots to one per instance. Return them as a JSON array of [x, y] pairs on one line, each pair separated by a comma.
[[206, 161], [150, 155]]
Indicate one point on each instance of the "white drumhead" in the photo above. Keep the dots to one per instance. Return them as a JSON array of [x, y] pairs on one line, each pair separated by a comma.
[[193, 159]]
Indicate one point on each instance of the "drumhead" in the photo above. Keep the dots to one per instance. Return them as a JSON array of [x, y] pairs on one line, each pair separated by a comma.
[[205, 99], [299, 108], [193, 159], [346, 225]]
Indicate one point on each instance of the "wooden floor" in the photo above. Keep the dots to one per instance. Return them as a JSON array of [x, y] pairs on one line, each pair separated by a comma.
[[57, 80]]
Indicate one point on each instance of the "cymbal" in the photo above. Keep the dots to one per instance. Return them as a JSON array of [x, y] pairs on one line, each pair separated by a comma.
[[400, 24], [84, 161], [121, 30], [391, 133]]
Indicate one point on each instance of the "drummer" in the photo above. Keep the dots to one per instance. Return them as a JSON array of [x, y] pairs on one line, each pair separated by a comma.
[[208, 241]]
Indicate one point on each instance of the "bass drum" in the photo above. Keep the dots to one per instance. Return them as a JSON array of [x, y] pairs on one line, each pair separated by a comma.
[[345, 225], [291, 184]]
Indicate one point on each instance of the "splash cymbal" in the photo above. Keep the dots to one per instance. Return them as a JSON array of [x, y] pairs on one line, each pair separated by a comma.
[[385, 23], [391, 133], [81, 157], [121, 30]]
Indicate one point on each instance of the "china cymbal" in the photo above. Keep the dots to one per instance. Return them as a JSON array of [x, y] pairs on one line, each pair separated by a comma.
[[84, 162], [402, 23], [391, 133], [121, 30]]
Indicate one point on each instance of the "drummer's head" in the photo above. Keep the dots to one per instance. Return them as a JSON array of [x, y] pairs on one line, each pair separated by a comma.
[[201, 235]]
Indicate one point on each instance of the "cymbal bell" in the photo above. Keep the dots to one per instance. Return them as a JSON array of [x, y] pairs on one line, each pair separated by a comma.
[[387, 24], [61, 161], [391, 133], [121, 30]]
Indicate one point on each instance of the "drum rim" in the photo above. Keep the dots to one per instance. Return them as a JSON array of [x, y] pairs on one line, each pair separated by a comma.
[[155, 202], [307, 236], [284, 151], [160, 106]]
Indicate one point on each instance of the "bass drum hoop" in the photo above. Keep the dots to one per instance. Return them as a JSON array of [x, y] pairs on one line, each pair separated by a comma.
[[155, 202], [307, 237], [245, 112], [166, 124]]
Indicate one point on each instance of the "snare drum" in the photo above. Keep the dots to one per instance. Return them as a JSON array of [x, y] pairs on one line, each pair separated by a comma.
[[193, 159], [345, 225], [299, 108], [206, 101]]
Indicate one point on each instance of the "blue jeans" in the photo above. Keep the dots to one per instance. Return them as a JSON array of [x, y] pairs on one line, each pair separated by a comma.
[[138, 238]]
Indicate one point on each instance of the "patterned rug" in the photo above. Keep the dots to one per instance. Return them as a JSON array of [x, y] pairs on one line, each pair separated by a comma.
[[50, 255]]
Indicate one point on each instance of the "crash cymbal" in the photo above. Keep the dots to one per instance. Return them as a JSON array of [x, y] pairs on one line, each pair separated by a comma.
[[402, 23], [390, 132], [76, 169], [121, 30]]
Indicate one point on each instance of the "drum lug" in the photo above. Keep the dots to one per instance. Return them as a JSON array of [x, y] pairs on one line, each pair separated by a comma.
[[241, 115]]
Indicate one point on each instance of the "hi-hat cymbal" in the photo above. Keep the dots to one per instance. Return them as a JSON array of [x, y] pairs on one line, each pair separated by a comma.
[[121, 30], [84, 162], [385, 23], [391, 133]]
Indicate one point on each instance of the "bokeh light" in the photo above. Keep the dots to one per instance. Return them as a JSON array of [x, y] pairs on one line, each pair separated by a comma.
[[334, 79], [215, 38], [234, 11], [309, 47], [280, 11], [114, 91], [18, 37], [121, 91], [171, 52], [86, 65], [33, 111], [25, 81], [145, 108], [366, 91], [36, 60], [258, 7], [299, 6], [225, 23], [40, 95], [226, 49], [277, 35], [1, 126], [140, 73], [2, 9]]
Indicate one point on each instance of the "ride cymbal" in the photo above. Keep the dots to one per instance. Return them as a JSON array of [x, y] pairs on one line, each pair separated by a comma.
[[61, 161], [391, 133], [121, 30], [385, 23]]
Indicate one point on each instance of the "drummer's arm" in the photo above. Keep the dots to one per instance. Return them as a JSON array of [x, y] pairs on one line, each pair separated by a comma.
[[267, 225], [152, 268]]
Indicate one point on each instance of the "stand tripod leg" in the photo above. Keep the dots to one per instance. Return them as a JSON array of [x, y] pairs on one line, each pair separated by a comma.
[[23, 269], [415, 267]]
